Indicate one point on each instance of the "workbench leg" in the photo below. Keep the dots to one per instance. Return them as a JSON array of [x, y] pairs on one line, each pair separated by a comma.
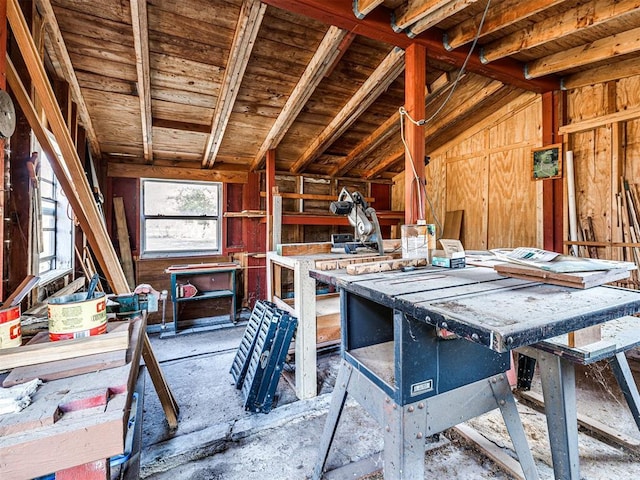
[[404, 440], [623, 374], [559, 390], [504, 399], [338, 398]]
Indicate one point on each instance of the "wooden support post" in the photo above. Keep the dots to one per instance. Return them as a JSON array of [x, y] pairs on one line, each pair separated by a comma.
[[270, 183], [414, 95], [552, 189], [3, 86]]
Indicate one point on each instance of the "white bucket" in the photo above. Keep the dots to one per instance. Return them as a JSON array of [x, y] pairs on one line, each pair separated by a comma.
[[73, 316], [10, 330]]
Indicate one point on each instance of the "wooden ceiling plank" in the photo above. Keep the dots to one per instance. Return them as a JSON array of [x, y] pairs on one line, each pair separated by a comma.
[[505, 14], [251, 16], [467, 102], [413, 10], [46, 10], [182, 126], [372, 88], [436, 16], [320, 63], [362, 7], [605, 73], [389, 127], [130, 170], [593, 13], [75, 186], [602, 49], [139, 22]]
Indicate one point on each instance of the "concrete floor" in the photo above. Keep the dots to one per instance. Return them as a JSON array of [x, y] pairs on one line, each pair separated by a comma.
[[217, 439]]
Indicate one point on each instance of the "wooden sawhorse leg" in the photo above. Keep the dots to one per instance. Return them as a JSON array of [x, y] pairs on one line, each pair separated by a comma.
[[623, 375]]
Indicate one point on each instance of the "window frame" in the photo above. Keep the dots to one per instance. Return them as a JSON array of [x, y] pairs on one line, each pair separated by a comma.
[[144, 253]]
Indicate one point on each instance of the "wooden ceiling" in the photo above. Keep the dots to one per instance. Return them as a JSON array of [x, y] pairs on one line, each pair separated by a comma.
[[214, 84]]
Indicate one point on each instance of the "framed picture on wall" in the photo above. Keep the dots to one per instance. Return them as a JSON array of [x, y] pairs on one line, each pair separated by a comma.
[[547, 162]]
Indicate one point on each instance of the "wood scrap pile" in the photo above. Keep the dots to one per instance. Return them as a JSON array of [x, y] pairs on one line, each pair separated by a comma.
[[628, 229]]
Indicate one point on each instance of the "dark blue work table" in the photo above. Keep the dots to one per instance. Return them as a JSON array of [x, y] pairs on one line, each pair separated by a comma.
[[404, 366]]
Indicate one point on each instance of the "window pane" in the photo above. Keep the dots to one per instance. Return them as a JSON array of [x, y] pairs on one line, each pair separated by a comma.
[[180, 199], [49, 247], [183, 235], [46, 189]]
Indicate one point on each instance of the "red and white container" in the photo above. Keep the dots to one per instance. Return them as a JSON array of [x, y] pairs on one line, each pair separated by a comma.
[[75, 316], [10, 330]]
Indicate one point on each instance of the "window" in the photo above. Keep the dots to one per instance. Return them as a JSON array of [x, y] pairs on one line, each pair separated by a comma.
[[56, 225], [180, 218]]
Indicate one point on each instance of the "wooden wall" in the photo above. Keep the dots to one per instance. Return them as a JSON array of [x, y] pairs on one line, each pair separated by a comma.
[[487, 173]]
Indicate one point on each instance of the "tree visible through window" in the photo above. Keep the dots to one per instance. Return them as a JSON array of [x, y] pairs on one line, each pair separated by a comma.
[[180, 217]]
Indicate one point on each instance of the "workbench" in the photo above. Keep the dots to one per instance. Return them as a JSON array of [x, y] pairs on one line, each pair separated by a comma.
[[427, 349], [74, 425]]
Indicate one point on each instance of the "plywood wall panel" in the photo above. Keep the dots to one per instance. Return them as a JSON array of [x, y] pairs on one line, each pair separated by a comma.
[[586, 103]]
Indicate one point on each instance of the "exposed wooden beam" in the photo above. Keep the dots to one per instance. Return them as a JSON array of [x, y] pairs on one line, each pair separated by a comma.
[[249, 21], [182, 126], [131, 170], [505, 14], [60, 50], [470, 94], [389, 127], [376, 26], [591, 123], [320, 63], [139, 22], [363, 7], [380, 79], [413, 10], [603, 74], [436, 16], [591, 14], [603, 49]]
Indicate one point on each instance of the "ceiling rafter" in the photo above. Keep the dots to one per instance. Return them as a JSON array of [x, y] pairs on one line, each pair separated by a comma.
[[388, 128], [505, 14], [139, 23], [376, 26], [249, 21], [605, 73], [362, 7], [60, 49], [593, 13], [470, 95], [372, 88], [322, 61], [413, 10], [603, 49], [437, 16]]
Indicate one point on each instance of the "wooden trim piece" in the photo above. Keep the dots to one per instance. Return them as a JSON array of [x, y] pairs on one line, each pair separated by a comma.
[[363, 7], [60, 49], [251, 15], [321, 62], [139, 23], [505, 14], [380, 79], [600, 121], [117, 339], [312, 196], [123, 170], [437, 15], [413, 10], [591, 14], [123, 240], [603, 49]]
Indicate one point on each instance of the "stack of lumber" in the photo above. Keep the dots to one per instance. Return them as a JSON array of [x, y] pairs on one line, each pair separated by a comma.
[[628, 225]]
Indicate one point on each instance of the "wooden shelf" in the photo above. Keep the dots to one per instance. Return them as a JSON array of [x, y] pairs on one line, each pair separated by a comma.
[[206, 295]]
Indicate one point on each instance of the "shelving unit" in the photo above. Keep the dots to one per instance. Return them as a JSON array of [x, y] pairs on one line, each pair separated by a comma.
[[212, 282]]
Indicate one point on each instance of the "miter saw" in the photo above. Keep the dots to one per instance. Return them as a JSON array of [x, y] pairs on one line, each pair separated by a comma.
[[362, 217]]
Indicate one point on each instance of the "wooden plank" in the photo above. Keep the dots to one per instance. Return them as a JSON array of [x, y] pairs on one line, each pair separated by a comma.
[[167, 400], [139, 24], [344, 262], [585, 336], [123, 240], [435, 16], [413, 10], [39, 414], [605, 73], [290, 249], [575, 280], [312, 196], [64, 349], [453, 224], [21, 291], [385, 266], [362, 7], [251, 15], [41, 307], [600, 121], [124, 170]]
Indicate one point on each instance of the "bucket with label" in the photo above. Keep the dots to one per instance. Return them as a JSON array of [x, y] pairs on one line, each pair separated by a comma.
[[75, 316], [10, 330]]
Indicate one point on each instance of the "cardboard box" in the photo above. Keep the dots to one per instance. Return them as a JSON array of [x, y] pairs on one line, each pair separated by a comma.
[[448, 262]]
